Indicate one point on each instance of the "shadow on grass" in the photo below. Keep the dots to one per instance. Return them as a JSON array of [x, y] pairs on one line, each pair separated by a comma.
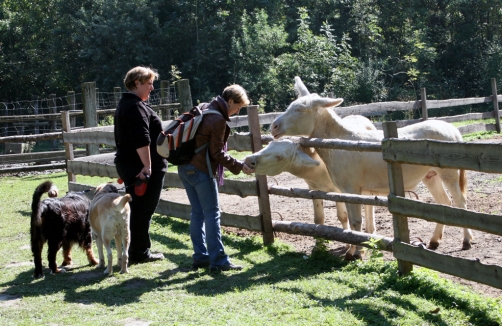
[[280, 265], [24, 213], [360, 302]]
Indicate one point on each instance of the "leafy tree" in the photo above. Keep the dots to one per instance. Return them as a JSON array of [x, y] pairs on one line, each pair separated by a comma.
[[254, 49], [24, 36], [325, 65], [362, 50]]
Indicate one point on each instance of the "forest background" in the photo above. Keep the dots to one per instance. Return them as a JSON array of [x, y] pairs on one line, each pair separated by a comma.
[[361, 50]]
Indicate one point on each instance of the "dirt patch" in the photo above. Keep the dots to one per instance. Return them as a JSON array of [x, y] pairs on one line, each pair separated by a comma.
[[483, 196]]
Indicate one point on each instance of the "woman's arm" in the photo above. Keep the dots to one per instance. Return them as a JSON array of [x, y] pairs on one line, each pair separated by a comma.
[[144, 155]]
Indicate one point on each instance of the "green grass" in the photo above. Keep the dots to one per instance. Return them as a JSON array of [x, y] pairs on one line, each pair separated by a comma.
[[278, 286], [472, 122], [479, 135]]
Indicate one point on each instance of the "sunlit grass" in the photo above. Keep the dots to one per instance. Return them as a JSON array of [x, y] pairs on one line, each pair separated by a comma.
[[277, 286], [472, 122]]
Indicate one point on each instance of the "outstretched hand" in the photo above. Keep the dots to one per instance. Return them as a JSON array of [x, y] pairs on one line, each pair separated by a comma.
[[246, 169]]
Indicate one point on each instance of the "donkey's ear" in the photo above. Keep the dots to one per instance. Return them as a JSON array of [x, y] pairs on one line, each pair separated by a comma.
[[300, 87], [328, 102], [303, 160]]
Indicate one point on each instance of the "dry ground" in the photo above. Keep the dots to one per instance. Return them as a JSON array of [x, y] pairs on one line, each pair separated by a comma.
[[483, 196]]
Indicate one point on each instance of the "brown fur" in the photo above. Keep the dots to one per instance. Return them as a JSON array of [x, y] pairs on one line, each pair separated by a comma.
[[109, 217], [62, 222]]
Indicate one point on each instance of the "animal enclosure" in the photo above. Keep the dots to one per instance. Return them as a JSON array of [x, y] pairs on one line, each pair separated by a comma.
[[102, 165]]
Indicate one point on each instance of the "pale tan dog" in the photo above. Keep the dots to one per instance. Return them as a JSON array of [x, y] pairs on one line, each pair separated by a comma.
[[109, 216]]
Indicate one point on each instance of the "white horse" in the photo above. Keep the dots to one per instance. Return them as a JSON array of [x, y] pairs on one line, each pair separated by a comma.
[[357, 172]]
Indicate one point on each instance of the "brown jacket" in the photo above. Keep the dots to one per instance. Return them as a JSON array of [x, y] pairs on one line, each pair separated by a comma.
[[214, 129]]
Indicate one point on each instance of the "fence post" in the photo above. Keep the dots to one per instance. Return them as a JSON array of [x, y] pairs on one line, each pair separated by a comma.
[[261, 180], [35, 103], [5, 112], [396, 186], [496, 114], [97, 100], [117, 94], [53, 109], [165, 98], [423, 96], [68, 147], [70, 98], [90, 115], [184, 95]]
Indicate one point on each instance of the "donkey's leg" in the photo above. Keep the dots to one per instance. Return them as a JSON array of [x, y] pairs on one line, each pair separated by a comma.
[[369, 218], [456, 183], [355, 220], [318, 211], [435, 186], [434, 181], [343, 217]]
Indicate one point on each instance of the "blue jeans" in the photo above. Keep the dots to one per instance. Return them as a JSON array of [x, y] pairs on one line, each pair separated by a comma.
[[202, 192]]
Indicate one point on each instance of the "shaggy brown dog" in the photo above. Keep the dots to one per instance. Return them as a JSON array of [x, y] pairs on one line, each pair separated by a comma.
[[62, 222], [109, 215]]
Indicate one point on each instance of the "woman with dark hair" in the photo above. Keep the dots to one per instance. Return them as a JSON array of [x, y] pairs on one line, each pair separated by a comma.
[[136, 130]]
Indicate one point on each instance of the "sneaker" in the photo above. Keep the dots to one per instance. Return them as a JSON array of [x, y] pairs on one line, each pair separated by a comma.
[[199, 264], [151, 257], [226, 267]]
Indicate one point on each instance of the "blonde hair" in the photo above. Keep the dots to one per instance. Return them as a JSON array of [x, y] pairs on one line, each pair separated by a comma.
[[142, 74], [237, 93]]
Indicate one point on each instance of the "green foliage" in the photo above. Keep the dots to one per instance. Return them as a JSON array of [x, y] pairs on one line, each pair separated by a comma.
[[106, 121], [374, 249], [361, 50], [254, 49]]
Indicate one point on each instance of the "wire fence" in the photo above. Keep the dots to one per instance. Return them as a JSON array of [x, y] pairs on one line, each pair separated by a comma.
[[26, 112]]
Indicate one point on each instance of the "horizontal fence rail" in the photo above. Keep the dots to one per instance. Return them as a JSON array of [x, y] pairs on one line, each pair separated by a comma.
[[316, 194], [332, 233], [384, 107], [476, 157], [348, 145], [468, 269], [490, 223]]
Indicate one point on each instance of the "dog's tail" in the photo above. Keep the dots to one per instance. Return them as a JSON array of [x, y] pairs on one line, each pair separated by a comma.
[[120, 202], [45, 187]]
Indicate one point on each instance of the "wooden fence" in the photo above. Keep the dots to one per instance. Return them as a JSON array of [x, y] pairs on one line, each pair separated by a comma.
[[165, 107], [90, 114], [469, 156], [479, 157]]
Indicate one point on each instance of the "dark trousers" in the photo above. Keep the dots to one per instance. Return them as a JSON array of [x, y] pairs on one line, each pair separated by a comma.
[[142, 209]]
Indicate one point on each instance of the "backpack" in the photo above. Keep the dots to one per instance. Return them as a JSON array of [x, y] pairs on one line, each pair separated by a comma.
[[177, 142]]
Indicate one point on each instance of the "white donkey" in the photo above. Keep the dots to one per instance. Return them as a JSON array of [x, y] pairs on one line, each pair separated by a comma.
[[304, 162], [357, 172]]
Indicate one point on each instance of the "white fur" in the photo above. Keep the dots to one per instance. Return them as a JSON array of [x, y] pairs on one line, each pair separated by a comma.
[[109, 215], [287, 156], [357, 172]]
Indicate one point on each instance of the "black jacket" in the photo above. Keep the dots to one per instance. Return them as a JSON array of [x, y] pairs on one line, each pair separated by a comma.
[[136, 126]]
